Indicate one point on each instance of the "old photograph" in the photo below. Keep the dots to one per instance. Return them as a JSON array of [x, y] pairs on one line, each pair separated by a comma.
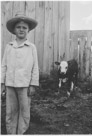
[[46, 67]]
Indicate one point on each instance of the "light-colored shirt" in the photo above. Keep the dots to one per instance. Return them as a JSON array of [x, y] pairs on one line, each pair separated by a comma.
[[20, 65]]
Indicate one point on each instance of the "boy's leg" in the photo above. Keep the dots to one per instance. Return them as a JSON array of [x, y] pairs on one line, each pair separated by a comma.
[[11, 110], [24, 110]]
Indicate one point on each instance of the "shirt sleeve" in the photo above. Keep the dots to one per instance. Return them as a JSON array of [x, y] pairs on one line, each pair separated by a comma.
[[4, 66], [35, 70]]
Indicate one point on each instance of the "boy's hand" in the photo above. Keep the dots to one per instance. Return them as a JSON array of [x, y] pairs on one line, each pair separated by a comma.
[[31, 90], [3, 91], [2, 88]]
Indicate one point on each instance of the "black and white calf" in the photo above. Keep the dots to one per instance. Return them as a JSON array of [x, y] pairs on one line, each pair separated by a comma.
[[68, 72]]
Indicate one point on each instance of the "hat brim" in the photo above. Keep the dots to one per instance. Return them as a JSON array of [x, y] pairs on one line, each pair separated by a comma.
[[12, 22]]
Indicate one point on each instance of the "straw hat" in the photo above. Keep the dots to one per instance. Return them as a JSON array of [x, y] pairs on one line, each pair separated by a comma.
[[20, 17]]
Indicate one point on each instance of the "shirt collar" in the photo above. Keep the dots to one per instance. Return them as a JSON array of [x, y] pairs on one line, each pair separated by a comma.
[[14, 44]]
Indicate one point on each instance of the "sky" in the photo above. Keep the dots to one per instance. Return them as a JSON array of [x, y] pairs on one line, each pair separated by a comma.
[[81, 15]]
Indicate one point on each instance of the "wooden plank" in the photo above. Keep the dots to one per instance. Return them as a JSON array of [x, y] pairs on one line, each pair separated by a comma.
[[18, 6], [39, 33], [51, 35], [83, 44], [2, 28], [91, 62], [88, 53], [61, 29], [73, 46], [67, 27], [76, 50], [70, 43], [6, 13], [55, 29], [47, 36], [30, 12]]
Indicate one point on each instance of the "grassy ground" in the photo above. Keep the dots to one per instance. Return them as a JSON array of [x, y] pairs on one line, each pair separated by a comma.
[[53, 113]]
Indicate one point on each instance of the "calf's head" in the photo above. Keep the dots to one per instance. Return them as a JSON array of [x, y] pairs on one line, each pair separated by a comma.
[[63, 66]]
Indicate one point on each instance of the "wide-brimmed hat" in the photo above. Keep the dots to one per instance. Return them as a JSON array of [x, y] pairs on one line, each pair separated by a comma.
[[20, 17]]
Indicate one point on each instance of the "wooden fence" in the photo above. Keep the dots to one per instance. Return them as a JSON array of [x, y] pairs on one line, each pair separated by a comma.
[[51, 36], [80, 48]]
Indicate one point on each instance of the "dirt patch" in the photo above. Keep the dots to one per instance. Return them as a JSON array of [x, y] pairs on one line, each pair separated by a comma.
[[53, 113]]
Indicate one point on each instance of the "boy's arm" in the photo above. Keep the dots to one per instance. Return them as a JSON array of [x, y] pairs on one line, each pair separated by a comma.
[[4, 67], [35, 70], [35, 74], [3, 70]]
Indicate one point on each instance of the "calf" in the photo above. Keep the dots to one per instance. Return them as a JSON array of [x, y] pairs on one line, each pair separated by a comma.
[[68, 72]]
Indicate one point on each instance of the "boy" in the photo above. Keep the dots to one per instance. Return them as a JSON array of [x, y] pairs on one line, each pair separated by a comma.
[[20, 74]]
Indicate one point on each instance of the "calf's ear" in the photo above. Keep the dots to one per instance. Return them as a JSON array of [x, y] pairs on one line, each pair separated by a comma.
[[57, 63]]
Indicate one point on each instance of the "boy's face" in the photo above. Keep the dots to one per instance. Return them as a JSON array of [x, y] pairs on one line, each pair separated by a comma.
[[21, 30]]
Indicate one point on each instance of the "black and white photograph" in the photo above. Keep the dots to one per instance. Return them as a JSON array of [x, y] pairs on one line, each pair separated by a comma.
[[46, 67]]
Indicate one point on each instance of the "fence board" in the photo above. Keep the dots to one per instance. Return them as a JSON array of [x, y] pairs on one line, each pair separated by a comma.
[[91, 67], [67, 28], [6, 14], [30, 12], [82, 57], [39, 34], [91, 62], [47, 36], [88, 53], [61, 29], [73, 46], [55, 32]]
